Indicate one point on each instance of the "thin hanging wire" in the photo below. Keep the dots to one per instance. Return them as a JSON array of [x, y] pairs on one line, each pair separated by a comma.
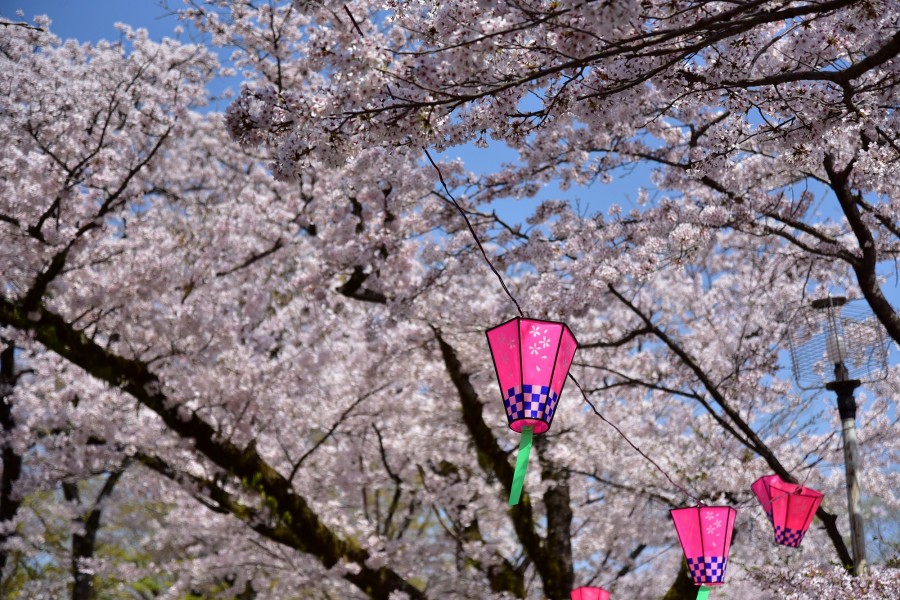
[[630, 443], [522, 314], [472, 231]]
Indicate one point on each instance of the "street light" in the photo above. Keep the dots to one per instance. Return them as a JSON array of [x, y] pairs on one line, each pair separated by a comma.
[[843, 386], [835, 344]]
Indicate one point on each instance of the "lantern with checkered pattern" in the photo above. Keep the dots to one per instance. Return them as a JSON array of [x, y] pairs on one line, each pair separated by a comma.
[[589, 593], [532, 359], [790, 507], [705, 536]]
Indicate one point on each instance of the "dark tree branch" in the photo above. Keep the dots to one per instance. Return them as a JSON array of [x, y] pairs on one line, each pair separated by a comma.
[[844, 76], [502, 574], [21, 24], [631, 335], [632, 556], [341, 419], [558, 544], [665, 501], [865, 268], [353, 288], [255, 474], [674, 43], [398, 482], [216, 498], [253, 259]]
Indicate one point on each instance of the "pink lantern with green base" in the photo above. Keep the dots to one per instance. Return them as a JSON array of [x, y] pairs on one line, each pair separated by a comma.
[[532, 359], [705, 536], [790, 507], [589, 593]]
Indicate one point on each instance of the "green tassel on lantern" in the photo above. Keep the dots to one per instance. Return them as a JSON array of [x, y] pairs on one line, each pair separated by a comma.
[[521, 465]]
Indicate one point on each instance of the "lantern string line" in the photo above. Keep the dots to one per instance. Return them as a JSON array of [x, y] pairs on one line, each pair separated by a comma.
[[806, 478], [778, 497], [472, 231], [630, 443], [572, 377]]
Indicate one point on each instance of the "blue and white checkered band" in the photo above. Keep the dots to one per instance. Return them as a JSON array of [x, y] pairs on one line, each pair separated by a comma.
[[530, 402], [707, 569], [788, 537]]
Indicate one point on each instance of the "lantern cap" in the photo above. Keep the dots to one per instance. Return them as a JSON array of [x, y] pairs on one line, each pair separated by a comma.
[[518, 318]]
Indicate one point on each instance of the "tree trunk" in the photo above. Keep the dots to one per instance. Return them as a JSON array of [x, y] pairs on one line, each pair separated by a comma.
[[558, 504], [683, 588], [84, 538], [12, 462]]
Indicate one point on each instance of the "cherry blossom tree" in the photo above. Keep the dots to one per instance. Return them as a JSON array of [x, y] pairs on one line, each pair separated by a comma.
[[285, 378], [580, 89], [727, 100]]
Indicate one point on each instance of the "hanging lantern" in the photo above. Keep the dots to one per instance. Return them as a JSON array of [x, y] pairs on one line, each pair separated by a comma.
[[532, 359], [589, 593], [790, 507], [760, 487], [705, 536]]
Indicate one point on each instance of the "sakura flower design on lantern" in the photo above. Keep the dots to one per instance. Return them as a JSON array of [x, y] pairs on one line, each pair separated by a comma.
[[705, 536], [790, 507], [532, 359], [589, 593]]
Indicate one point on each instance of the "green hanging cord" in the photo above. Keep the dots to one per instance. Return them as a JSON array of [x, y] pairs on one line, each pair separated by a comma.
[[703, 594], [521, 465]]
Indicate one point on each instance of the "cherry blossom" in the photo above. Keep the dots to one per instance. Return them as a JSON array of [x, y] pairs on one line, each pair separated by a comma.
[[250, 346]]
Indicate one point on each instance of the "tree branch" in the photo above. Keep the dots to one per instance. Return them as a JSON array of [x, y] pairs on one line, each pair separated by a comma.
[[134, 378], [865, 268], [353, 288]]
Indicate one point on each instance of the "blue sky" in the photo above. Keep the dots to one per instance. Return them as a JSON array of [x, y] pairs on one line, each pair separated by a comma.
[[91, 20]]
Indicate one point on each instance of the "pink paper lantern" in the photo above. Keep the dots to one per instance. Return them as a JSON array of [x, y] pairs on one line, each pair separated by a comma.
[[760, 487], [790, 507], [705, 536], [532, 358], [589, 593]]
